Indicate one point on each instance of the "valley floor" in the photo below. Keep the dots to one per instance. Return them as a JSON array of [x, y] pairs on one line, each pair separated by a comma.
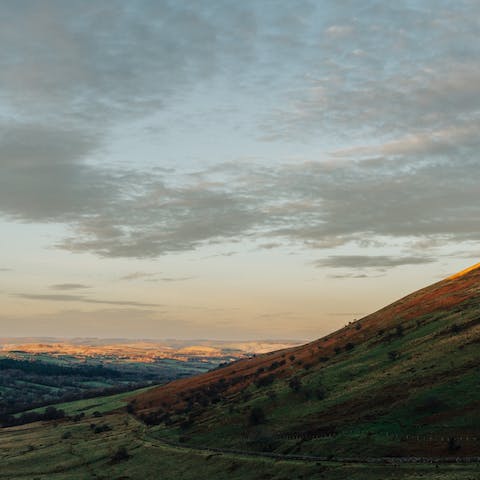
[[92, 449]]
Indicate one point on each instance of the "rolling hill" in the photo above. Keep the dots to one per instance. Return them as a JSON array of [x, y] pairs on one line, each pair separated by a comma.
[[402, 381]]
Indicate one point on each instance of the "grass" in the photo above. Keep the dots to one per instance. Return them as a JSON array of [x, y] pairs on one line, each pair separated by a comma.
[[96, 404], [71, 450], [372, 401]]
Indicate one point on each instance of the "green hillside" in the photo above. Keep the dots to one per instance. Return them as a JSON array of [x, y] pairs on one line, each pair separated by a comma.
[[117, 447], [403, 381]]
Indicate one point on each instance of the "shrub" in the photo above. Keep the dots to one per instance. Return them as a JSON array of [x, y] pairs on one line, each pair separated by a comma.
[[393, 355], [265, 380], [272, 395], [295, 384], [256, 416], [52, 413], [349, 346], [455, 328], [320, 393], [120, 454], [431, 405], [102, 428], [453, 445], [274, 366]]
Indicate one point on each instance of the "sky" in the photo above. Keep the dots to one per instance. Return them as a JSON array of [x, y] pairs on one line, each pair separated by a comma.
[[232, 170]]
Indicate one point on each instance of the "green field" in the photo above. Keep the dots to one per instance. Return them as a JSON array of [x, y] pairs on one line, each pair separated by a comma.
[[97, 404]]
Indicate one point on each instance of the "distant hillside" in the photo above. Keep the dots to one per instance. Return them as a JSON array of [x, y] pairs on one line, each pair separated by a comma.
[[36, 372], [401, 381]]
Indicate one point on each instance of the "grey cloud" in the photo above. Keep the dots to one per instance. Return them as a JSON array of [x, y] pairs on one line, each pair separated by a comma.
[[153, 277], [164, 220], [175, 279], [423, 195], [43, 177], [400, 68], [83, 299], [420, 179], [69, 286], [138, 275], [364, 261], [91, 61], [26, 145]]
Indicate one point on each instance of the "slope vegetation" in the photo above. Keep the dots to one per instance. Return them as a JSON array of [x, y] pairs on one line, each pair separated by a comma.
[[402, 381]]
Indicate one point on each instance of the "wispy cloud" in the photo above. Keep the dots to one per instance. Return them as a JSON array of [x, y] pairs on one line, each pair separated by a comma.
[[175, 279], [138, 276], [83, 299], [363, 261], [69, 286]]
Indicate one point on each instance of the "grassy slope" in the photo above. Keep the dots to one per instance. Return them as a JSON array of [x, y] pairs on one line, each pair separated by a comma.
[[42, 451], [372, 400], [96, 404]]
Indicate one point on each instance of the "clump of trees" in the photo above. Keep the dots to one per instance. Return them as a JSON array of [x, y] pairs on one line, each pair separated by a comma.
[[50, 413], [265, 380]]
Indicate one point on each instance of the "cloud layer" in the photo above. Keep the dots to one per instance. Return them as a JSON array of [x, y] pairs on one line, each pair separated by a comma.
[[392, 91]]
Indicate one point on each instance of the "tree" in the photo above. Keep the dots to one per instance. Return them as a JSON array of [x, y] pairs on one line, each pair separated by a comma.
[[256, 416], [295, 384], [120, 455]]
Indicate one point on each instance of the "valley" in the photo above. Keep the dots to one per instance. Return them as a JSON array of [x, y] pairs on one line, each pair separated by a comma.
[[37, 372], [393, 395]]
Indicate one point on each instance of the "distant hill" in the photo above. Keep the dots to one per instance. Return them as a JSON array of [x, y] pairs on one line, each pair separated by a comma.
[[42, 371], [404, 380]]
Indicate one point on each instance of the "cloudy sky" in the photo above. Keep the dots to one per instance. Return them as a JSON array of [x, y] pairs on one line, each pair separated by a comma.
[[225, 169]]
